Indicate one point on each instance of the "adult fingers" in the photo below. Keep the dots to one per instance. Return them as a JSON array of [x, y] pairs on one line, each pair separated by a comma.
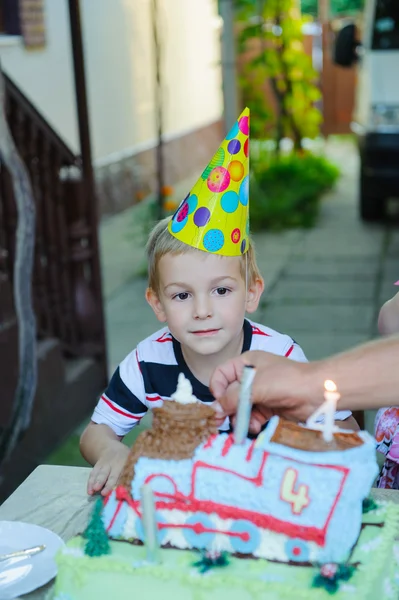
[[226, 374], [227, 404], [259, 416]]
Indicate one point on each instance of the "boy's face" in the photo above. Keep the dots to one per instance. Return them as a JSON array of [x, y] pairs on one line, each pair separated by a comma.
[[203, 299]]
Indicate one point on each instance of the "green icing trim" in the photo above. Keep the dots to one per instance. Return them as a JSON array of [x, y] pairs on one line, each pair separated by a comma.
[[369, 505], [208, 562], [331, 583], [367, 580], [383, 557]]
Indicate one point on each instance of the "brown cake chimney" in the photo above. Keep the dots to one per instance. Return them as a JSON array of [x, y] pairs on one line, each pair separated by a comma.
[[177, 430]]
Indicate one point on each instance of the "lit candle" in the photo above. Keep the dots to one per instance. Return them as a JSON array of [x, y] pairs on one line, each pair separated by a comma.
[[244, 405], [327, 409], [149, 523], [331, 397]]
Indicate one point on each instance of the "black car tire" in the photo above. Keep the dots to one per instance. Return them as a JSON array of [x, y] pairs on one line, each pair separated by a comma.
[[371, 207]]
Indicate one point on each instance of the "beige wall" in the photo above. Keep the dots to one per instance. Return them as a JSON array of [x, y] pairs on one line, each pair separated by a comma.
[[120, 74]]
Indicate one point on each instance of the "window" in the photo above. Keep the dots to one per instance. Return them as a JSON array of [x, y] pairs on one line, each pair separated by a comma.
[[386, 25]]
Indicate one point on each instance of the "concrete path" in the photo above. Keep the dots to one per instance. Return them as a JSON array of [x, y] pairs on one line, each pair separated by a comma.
[[324, 286]]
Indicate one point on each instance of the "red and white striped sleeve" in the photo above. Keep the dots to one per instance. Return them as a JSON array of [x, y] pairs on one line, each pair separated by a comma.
[[123, 404]]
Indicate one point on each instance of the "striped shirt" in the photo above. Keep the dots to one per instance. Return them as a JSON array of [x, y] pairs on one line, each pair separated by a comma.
[[148, 375]]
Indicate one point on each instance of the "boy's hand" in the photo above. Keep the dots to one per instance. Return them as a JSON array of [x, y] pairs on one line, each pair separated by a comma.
[[107, 469]]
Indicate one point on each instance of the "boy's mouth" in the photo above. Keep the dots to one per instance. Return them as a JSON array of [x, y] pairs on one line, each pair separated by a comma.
[[205, 332]]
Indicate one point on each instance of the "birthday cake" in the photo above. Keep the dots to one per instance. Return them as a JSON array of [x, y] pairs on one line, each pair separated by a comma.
[[284, 516]]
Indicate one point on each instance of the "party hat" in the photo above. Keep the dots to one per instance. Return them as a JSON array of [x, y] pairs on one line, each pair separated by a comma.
[[214, 216]]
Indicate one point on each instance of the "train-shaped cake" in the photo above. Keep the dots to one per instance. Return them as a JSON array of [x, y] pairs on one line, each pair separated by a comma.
[[287, 496]]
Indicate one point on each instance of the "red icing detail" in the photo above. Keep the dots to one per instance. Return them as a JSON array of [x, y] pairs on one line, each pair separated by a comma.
[[165, 337], [257, 331], [210, 441], [138, 362], [262, 521], [200, 528], [289, 351], [296, 551], [115, 515], [189, 504], [257, 480], [153, 476], [118, 410], [106, 499], [250, 450], [121, 493], [227, 445]]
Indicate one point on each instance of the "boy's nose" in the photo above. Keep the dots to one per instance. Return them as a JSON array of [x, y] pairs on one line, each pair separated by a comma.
[[202, 309]]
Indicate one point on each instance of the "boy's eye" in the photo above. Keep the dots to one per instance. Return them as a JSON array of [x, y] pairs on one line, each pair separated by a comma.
[[221, 291], [182, 296]]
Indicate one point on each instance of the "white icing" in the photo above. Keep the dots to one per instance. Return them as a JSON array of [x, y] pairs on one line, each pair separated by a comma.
[[388, 589], [129, 529], [347, 588], [184, 392], [371, 545], [73, 551]]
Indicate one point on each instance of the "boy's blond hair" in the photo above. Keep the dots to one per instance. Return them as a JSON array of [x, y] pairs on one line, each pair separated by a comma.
[[161, 242]]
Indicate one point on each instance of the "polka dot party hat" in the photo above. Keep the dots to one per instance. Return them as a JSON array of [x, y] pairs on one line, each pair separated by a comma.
[[214, 216]]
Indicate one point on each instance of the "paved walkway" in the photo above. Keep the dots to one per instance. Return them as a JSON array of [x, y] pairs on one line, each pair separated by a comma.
[[324, 286]]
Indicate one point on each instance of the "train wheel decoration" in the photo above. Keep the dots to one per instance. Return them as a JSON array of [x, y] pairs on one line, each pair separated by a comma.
[[297, 550], [244, 537]]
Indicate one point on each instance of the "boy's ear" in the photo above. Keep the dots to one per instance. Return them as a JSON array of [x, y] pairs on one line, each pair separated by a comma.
[[254, 292], [156, 304]]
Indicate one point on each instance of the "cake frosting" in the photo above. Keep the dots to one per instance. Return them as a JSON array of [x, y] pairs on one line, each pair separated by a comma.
[[286, 514], [184, 391]]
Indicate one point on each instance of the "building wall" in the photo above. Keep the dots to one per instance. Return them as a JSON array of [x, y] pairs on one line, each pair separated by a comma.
[[119, 52]]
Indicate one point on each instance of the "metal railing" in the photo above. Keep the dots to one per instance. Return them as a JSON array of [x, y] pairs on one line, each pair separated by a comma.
[[67, 297]]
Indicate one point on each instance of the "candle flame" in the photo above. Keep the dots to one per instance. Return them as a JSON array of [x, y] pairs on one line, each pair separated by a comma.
[[330, 386]]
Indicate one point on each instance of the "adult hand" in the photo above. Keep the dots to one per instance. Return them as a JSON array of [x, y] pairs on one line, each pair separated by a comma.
[[106, 471], [279, 387]]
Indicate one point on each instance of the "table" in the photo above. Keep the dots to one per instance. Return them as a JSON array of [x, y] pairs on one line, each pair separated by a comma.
[[55, 497]]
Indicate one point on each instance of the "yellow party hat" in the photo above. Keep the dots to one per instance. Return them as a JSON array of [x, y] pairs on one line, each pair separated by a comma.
[[214, 217]]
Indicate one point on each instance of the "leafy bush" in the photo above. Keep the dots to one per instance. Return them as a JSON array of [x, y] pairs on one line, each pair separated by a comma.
[[286, 191]]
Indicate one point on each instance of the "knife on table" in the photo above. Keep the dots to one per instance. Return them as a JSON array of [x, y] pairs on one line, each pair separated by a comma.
[[27, 552]]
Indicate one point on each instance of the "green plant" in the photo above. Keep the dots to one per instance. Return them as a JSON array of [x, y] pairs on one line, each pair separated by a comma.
[[272, 33], [310, 7], [286, 191]]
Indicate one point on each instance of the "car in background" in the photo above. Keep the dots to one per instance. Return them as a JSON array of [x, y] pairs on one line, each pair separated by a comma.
[[376, 114]]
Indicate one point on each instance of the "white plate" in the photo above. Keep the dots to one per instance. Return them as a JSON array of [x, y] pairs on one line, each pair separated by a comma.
[[22, 575]]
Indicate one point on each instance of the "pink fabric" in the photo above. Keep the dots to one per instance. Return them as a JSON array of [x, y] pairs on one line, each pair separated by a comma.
[[387, 436]]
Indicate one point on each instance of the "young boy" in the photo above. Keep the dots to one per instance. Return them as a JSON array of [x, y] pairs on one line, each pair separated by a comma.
[[203, 277]]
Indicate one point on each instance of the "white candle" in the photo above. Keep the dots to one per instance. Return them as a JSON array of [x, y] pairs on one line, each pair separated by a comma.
[[327, 410], [331, 397], [149, 523], [244, 405]]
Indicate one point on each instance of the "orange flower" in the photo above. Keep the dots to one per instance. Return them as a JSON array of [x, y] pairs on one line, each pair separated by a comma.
[[167, 190]]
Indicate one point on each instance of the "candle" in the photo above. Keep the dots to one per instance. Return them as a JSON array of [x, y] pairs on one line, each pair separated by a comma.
[[149, 523], [327, 410], [244, 405], [331, 397]]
